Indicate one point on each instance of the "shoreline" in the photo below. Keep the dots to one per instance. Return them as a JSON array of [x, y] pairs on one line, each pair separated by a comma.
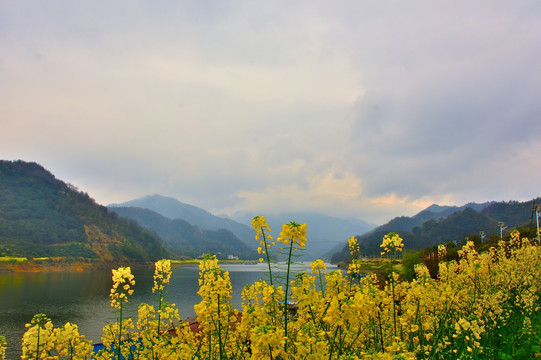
[[58, 265]]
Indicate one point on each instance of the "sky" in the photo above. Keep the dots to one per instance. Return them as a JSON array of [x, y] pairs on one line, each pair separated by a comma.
[[364, 109]]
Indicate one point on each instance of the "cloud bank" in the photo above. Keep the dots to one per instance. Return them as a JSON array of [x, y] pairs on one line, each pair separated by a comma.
[[361, 109]]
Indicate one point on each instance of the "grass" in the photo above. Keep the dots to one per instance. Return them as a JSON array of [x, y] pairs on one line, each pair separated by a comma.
[[12, 259], [380, 265]]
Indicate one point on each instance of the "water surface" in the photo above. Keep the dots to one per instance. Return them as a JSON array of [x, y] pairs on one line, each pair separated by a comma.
[[83, 297]]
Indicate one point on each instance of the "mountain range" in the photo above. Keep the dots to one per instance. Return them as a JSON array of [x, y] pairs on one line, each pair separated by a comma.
[[323, 232], [448, 224], [174, 209], [188, 240], [42, 216]]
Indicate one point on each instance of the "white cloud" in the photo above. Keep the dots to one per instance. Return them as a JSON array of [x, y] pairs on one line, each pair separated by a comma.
[[330, 190]]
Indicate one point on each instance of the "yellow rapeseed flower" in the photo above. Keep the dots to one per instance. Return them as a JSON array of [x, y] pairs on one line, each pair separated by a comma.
[[39, 339], [442, 251], [354, 248], [122, 280], [70, 343], [261, 227], [3, 346], [318, 265], [293, 232], [162, 274], [391, 243]]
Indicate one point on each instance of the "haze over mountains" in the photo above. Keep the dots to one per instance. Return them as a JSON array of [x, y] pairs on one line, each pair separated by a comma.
[[327, 235], [174, 209], [188, 240], [324, 232]]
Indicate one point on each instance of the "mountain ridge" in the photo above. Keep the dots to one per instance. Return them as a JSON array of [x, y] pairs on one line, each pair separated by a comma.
[[185, 239], [447, 224], [42, 216], [324, 231], [174, 209]]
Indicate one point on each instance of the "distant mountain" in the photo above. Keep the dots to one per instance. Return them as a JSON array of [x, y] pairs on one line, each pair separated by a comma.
[[188, 240], [323, 232], [433, 212], [41, 216], [442, 224], [174, 209], [435, 208]]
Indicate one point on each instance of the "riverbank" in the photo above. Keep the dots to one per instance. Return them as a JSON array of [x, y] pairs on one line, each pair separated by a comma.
[[58, 264], [196, 261], [22, 264]]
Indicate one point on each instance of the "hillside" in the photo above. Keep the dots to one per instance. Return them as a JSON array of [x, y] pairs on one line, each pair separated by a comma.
[[174, 209], [185, 239], [41, 216], [433, 212], [439, 225]]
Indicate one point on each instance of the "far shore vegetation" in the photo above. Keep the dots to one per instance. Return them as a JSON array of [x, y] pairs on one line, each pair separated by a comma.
[[22, 264]]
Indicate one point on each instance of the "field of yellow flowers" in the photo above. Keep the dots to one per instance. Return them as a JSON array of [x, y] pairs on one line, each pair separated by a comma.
[[483, 306]]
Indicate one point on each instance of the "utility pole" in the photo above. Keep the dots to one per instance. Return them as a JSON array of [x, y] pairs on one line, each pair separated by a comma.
[[482, 235], [537, 209], [502, 228]]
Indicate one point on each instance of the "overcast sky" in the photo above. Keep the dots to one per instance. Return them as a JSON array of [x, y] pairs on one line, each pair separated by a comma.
[[367, 109]]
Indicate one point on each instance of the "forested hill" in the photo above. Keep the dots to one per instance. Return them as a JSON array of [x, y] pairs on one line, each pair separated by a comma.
[[449, 224], [41, 216], [188, 240]]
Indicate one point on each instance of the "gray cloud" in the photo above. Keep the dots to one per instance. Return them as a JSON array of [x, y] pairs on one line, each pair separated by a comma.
[[352, 108]]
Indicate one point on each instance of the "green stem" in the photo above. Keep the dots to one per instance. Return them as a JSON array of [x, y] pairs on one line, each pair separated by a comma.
[[392, 287], [119, 331], [267, 254], [159, 312], [219, 324], [380, 333], [37, 348], [71, 349], [287, 290], [442, 322], [321, 283], [333, 343]]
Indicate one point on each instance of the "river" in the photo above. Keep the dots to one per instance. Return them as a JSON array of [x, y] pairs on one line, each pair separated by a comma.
[[82, 297]]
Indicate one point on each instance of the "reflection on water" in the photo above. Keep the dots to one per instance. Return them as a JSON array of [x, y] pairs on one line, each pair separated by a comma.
[[82, 297]]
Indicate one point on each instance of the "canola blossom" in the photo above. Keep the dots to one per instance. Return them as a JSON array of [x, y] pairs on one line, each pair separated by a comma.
[[354, 248], [3, 346], [318, 266], [442, 251], [38, 340], [391, 243], [293, 233], [485, 305], [262, 234], [123, 280], [162, 275]]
